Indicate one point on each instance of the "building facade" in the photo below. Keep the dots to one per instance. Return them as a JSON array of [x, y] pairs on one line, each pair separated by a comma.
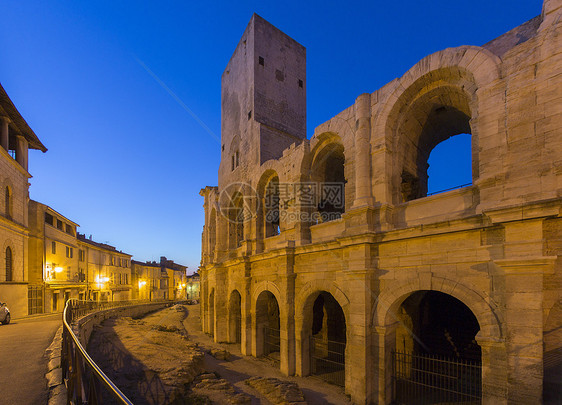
[[328, 255], [55, 270], [108, 270], [16, 138]]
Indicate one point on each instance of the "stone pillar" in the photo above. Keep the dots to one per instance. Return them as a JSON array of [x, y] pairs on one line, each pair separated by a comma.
[[21, 151], [363, 194], [246, 321], [358, 366], [221, 304], [287, 354], [494, 370], [384, 342], [523, 300], [4, 132]]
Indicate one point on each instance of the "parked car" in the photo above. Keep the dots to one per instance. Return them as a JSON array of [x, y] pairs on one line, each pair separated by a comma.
[[4, 313]]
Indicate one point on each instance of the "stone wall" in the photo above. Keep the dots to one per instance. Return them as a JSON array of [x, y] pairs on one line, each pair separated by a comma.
[[494, 246]]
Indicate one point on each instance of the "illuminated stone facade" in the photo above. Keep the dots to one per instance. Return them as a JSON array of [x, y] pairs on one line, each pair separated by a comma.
[[54, 258], [15, 139], [374, 269]]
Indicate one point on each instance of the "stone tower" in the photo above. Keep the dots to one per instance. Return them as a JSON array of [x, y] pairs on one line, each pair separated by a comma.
[[263, 99]]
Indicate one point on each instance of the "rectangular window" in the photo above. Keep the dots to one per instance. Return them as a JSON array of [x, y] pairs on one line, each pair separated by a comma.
[[69, 230], [81, 255], [49, 219], [69, 252], [59, 224], [261, 61], [54, 247]]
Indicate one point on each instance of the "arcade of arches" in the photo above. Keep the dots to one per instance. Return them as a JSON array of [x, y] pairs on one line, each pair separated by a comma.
[[374, 282]]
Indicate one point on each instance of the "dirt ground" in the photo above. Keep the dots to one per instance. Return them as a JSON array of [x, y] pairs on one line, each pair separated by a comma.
[[164, 358]]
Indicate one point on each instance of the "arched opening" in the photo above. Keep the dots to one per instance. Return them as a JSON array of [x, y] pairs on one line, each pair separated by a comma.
[[9, 264], [328, 177], [268, 326], [450, 165], [235, 317], [212, 233], [436, 357], [326, 328], [212, 312], [236, 221], [8, 202], [431, 111], [271, 208]]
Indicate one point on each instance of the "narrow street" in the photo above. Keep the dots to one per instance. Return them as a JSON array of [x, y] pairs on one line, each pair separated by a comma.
[[22, 362]]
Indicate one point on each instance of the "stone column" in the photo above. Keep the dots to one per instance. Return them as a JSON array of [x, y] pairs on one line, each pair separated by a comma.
[[523, 300], [221, 304], [4, 132], [246, 308], [384, 342], [494, 370], [363, 194], [358, 366], [287, 335]]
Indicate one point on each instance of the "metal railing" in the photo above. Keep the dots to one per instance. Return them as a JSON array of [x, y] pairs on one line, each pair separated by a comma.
[[449, 189], [328, 360], [432, 379], [85, 381]]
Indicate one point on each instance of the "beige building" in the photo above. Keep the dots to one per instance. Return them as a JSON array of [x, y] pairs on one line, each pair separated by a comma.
[[146, 281], [175, 277], [108, 270], [193, 286], [165, 280], [15, 139], [329, 256], [54, 259]]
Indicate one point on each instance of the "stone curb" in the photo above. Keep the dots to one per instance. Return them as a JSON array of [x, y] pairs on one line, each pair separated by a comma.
[[57, 389]]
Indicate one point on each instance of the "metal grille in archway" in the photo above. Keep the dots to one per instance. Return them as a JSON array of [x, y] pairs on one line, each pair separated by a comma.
[[272, 343], [420, 379], [328, 360]]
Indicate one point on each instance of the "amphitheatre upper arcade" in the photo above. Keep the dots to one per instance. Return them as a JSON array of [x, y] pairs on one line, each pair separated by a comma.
[[328, 256]]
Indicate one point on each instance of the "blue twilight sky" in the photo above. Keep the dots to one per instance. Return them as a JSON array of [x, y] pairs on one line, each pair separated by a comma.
[[126, 161]]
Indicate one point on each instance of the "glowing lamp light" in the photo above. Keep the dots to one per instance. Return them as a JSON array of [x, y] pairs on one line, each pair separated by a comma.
[[142, 283], [101, 280], [58, 269]]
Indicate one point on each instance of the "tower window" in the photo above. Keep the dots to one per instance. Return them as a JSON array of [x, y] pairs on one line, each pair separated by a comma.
[[279, 75], [261, 61], [249, 114], [301, 84]]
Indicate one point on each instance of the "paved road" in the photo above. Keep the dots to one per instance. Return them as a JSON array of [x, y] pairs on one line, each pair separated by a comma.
[[22, 359]]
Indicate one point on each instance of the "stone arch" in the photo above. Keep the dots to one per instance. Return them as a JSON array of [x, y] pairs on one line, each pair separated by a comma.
[[268, 315], [320, 285], [484, 309], [304, 303], [8, 199], [326, 164], [386, 317], [265, 286], [268, 210], [436, 99], [8, 244], [235, 317]]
